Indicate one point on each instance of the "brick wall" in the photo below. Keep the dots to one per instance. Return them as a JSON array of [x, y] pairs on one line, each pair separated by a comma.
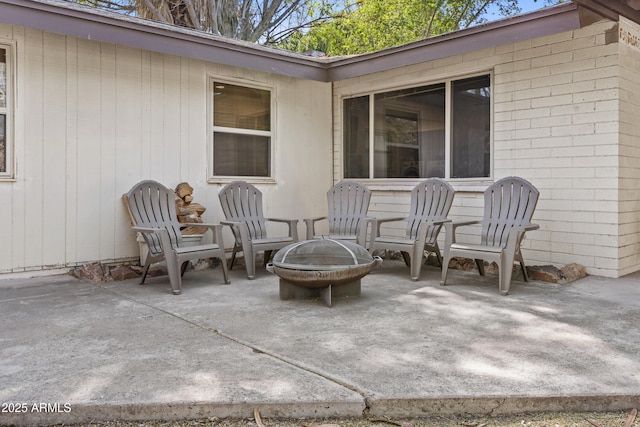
[[565, 118]]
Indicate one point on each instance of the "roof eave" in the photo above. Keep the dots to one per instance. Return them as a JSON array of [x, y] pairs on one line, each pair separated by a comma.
[[541, 23], [89, 23], [112, 28]]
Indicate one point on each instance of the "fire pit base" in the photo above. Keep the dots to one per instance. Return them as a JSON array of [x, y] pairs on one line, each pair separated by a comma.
[[290, 291]]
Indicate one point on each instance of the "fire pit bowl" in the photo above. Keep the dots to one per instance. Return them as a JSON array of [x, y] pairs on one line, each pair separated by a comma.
[[318, 267]]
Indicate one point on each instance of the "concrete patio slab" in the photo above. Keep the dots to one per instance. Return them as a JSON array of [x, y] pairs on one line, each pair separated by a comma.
[[81, 351]]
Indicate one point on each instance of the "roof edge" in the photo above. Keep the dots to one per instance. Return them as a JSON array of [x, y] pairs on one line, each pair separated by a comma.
[[552, 20], [94, 24], [91, 24]]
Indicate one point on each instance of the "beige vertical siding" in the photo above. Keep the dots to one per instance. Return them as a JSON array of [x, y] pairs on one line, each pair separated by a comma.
[[557, 104], [92, 119]]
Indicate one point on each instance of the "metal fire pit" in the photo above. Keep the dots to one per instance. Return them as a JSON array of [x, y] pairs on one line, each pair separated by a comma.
[[321, 268]]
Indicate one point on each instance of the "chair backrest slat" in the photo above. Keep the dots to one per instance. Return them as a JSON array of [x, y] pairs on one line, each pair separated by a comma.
[[348, 205], [431, 200], [242, 202], [509, 202], [151, 204]]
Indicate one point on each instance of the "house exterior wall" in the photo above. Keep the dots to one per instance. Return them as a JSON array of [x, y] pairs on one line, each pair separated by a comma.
[[563, 118], [92, 119], [629, 218]]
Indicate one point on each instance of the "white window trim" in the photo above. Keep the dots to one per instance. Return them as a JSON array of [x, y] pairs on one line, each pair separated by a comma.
[[9, 110], [464, 184], [211, 129]]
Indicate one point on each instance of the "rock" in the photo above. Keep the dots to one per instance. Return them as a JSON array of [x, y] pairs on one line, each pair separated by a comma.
[[573, 272], [546, 273], [92, 272], [122, 272]]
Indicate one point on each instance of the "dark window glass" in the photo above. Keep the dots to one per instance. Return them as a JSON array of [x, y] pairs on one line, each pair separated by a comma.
[[471, 128]]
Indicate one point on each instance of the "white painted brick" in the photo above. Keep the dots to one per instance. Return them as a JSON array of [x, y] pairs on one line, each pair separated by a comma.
[[550, 121], [552, 81], [503, 116], [503, 135], [539, 92], [528, 73], [532, 113], [571, 45], [607, 150], [583, 86], [593, 73], [600, 95], [551, 101], [607, 127], [555, 59], [572, 66], [532, 133], [573, 130], [565, 141], [601, 116], [607, 83], [571, 109], [503, 97]]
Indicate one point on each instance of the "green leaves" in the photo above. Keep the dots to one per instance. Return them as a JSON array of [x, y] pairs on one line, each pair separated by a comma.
[[377, 24]]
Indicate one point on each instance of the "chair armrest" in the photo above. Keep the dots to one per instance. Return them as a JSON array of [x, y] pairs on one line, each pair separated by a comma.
[[450, 231], [311, 226], [293, 226], [201, 225], [376, 222], [146, 229], [361, 238], [216, 229], [457, 224], [232, 223], [516, 235], [383, 220]]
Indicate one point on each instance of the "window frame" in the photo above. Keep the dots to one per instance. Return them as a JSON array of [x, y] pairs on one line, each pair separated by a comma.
[[448, 82], [271, 134], [9, 111]]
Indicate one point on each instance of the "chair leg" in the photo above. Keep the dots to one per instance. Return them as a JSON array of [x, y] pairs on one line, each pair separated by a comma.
[[439, 256], [183, 268], [524, 271], [480, 264], [223, 263], [267, 257], [233, 257], [144, 273], [174, 273], [407, 258], [506, 268], [445, 269], [249, 261], [416, 262]]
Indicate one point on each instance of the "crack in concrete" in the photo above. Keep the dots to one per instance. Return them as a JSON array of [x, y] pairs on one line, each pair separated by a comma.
[[366, 399]]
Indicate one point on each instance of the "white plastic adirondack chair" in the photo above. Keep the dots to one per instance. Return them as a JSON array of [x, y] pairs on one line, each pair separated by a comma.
[[242, 205], [348, 205], [430, 204], [151, 207], [508, 207]]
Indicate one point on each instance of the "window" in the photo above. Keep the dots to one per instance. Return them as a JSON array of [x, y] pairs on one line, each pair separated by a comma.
[[439, 130], [6, 155], [241, 131]]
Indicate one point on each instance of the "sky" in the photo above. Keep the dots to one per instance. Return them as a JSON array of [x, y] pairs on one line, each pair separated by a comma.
[[525, 5]]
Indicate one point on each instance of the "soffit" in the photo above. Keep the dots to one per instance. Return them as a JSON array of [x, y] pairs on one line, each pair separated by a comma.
[[613, 9]]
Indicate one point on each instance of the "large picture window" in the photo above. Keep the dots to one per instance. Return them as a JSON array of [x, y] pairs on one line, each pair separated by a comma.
[[241, 131], [439, 130], [6, 143]]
